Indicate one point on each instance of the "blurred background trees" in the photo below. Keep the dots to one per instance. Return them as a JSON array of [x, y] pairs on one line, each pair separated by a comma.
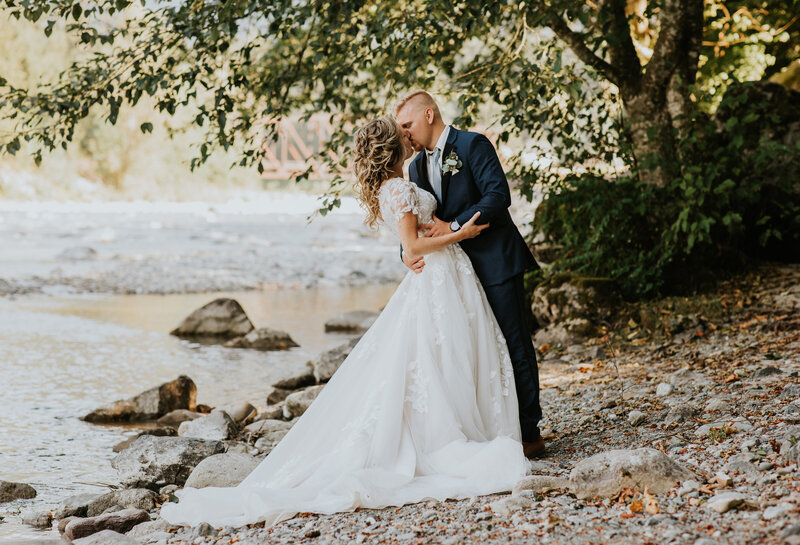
[[663, 134]]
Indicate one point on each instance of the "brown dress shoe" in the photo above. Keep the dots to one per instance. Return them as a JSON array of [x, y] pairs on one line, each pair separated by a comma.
[[534, 449]]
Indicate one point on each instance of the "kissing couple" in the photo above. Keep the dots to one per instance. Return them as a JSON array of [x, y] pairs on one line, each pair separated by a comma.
[[440, 397]]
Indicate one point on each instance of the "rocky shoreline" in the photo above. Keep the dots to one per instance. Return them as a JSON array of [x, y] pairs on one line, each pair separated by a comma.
[[677, 423]]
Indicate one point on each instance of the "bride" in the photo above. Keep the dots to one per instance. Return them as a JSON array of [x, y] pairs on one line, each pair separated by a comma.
[[424, 407]]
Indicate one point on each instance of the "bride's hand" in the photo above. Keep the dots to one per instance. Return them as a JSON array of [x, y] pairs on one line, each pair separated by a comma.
[[470, 230]]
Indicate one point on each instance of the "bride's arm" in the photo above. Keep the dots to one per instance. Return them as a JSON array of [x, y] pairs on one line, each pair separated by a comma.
[[417, 246]]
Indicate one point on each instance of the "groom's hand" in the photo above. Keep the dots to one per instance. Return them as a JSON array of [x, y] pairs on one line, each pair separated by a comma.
[[416, 264], [439, 228]]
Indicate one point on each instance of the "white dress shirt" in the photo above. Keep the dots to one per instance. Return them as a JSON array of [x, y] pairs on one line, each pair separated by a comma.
[[435, 162]]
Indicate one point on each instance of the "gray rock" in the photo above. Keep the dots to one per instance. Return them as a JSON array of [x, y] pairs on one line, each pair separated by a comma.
[[664, 389], [540, 483], [240, 412], [790, 391], [297, 403], [509, 505], [778, 511], [277, 395], [158, 432], [792, 454], [636, 417], [716, 404], [121, 522], [726, 501], [262, 427], [326, 364], [300, 381], [75, 506], [738, 464], [152, 462], [177, 417], [263, 339], [735, 424], [566, 332], [355, 321], [10, 491], [767, 371], [273, 412], [565, 296], [216, 426], [226, 469], [146, 529], [135, 498], [37, 519], [607, 473], [180, 393], [204, 529], [221, 318], [269, 434], [681, 413], [106, 537]]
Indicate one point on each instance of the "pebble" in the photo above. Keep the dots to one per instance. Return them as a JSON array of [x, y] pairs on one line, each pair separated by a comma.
[[636, 417], [664, 389]]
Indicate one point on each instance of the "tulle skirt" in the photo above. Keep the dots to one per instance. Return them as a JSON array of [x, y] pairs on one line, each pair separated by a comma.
[[424, 407]]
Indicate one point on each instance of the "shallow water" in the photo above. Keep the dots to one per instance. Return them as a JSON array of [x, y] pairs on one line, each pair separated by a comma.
[[60, 357]]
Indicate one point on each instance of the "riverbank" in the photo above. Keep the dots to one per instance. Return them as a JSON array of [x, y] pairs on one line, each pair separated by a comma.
[[724, 402]]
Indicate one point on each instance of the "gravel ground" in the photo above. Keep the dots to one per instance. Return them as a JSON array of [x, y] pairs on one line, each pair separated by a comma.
[[721, 397]]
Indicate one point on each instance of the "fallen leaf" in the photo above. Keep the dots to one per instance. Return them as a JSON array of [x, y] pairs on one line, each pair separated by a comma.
[[731, 378], [650, 503], [636, 506], [627, 515]]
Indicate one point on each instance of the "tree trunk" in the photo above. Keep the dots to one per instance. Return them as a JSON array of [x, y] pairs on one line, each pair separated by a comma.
[[650, 128]]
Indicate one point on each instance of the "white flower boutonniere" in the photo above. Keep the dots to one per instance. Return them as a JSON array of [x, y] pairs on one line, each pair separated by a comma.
[[451, 163]]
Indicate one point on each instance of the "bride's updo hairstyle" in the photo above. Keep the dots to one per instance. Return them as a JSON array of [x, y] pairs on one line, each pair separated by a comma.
[[378, 147]]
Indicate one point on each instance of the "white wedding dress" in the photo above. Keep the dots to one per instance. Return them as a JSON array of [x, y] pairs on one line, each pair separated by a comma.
[[424, 407]]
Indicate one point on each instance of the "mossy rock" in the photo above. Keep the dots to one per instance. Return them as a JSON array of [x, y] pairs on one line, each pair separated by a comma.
[[566, 295]]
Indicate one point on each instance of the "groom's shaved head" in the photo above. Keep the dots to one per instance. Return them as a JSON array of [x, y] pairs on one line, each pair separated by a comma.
[[419, 119], [419, 99]]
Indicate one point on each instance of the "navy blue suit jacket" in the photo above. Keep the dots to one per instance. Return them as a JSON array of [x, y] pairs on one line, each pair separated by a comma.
[[499, 252]]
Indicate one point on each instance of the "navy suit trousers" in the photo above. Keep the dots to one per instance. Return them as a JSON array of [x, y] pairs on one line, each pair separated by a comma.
[[508, 303]]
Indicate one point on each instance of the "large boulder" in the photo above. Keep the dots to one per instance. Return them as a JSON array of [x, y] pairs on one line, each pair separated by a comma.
[[566, 296], [566, 332], [10, 491], [355, 321], [216, 426], [133, 498], [227, 469], [608, 473], [221, 319], [177, 417], [298, 402], [118, 521], [180, 393], [152, 462], [263, 339], [326, 364]]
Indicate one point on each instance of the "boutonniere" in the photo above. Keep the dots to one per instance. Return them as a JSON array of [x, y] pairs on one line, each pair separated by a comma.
[[451, 163]]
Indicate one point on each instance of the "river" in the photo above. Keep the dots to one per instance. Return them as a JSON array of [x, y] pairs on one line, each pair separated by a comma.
[[91, 291]]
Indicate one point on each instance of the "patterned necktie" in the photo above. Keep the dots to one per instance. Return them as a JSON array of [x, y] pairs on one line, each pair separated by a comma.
[[435, 173]]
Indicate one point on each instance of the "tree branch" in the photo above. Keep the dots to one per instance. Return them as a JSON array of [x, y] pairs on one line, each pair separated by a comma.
[[672, 21], [576, 43], [622, 52]]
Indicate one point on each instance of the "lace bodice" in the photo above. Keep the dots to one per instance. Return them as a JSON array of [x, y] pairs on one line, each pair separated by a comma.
[[398, 196]]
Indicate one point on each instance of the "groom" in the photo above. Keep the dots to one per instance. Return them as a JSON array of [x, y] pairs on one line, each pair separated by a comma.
[[464, 173]]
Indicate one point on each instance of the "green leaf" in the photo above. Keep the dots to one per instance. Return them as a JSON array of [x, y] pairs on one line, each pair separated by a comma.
[[77, 10], [146, 127]]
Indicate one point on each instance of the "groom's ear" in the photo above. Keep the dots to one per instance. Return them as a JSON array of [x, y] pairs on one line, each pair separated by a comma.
[[430, 115]]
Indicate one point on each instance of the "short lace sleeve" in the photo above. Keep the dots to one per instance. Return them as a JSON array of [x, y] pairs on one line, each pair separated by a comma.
[[398, 196]]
